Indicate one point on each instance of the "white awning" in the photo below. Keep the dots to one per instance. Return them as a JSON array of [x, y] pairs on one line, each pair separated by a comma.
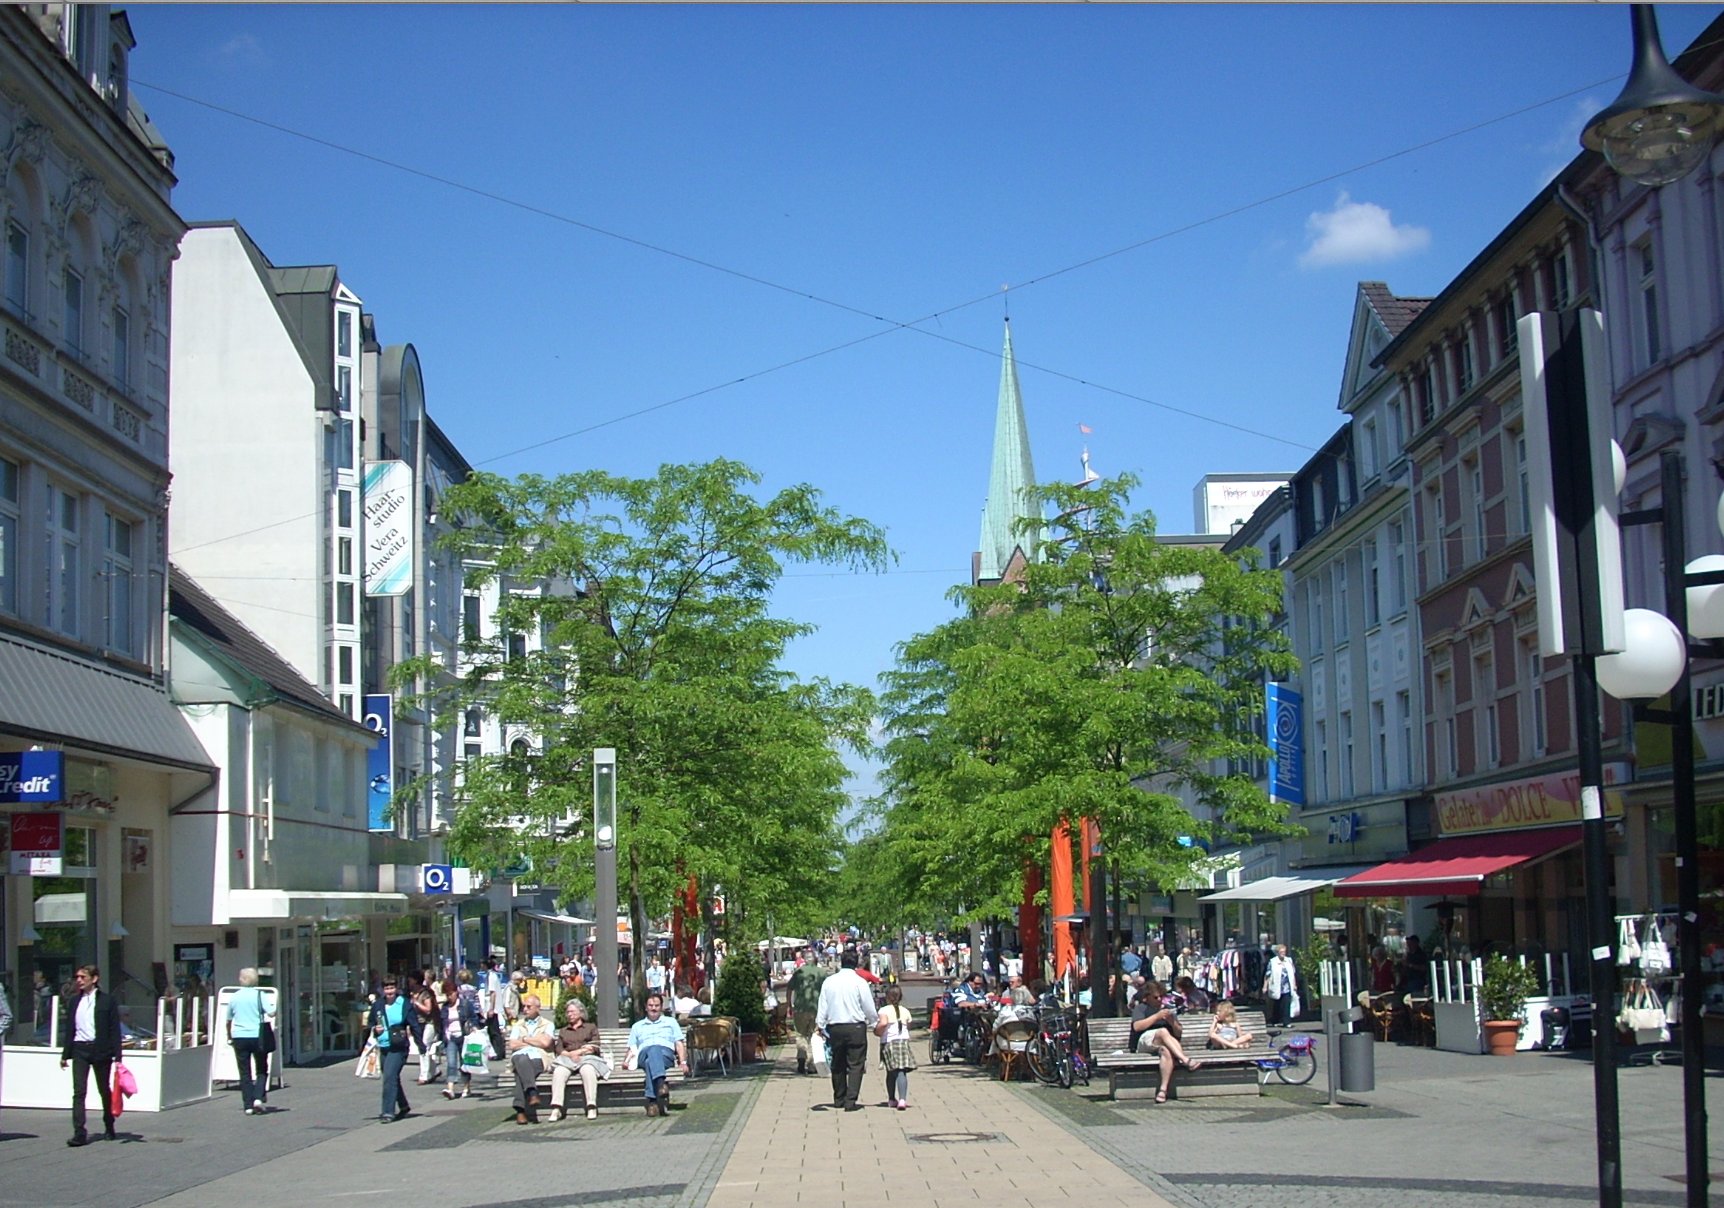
[[312, 904], [545, 916], [1287, 885]]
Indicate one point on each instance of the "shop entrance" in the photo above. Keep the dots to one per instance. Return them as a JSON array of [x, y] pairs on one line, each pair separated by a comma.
[[339, 997]]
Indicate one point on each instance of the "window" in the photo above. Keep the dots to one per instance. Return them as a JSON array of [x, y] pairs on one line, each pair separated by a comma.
[[1439, 540], [1650, 344], [1321, 754], [1508, 335], [1368, 454], [73, 317], [1533, 664], [1340, 602], [344, 596], [1464, 364], [1522, 485], [1316, 616], [62, 561], [1274, 552], [1346, 754], [343, 388], [344, 702], [1398, 584], [1404, 714], [1379, 748], [470, 617], [473, 723], [117, 575], [344, 555], [517, 647], [344, 509], [1373, 586], [344, 664], [344, 333], [8, 536], [1447, 753], [17, 270], [343, 444], [1397, 429], [1560, 287], [122, 350], [1427, 393], [1476, 474], [1485, 695]]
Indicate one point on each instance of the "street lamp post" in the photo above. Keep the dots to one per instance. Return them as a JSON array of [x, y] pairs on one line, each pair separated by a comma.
[[605, 884]]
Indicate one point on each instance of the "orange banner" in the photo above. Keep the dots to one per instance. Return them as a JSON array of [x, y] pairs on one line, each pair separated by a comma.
[[1060, 899]]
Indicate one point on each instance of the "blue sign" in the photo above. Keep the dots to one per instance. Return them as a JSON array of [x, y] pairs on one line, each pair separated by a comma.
[[380, 761], [32, 776], [1286, 745], [437, 878]]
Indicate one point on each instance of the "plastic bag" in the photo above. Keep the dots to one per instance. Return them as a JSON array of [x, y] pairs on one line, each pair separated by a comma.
[[473, 1055], [1627, 943], [821, 1051], [368, 1065]]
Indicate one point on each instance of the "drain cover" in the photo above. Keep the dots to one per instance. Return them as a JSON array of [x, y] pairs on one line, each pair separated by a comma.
[[952, 1138]]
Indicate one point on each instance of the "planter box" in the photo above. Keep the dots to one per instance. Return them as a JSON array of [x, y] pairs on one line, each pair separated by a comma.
[[32, 1077]]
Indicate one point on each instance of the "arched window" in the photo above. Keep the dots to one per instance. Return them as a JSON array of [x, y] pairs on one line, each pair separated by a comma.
[[77, 290], [23, 239], [122, 351]]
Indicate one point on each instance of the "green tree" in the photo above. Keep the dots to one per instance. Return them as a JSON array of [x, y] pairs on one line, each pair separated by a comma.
[[1118, 680], [648, 599]]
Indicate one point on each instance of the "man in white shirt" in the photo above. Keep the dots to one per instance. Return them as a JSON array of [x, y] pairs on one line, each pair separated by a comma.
[[90, 1043], [845, 1014], [530, 1039]]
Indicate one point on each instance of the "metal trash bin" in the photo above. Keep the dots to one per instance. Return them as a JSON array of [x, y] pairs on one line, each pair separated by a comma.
[[1358, 1062]]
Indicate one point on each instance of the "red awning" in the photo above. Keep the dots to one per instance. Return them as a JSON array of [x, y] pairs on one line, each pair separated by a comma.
[[1456, 866]]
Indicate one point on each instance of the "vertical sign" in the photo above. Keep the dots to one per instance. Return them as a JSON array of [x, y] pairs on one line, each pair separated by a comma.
[[38, 845], [380, 760], [1286, 745], [388, 503]]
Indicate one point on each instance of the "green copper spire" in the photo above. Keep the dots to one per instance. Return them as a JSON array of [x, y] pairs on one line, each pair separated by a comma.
[[1012, 475]]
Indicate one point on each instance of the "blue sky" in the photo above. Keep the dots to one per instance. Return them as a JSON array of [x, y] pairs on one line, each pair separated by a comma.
[[1216, 179]]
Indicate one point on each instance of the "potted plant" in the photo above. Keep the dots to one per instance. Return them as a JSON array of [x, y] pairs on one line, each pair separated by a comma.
[[1503, 991], [738, 996]]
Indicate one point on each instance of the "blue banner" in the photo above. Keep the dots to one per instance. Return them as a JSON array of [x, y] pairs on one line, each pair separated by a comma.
[[1286, 745], [32, 776], [380, 761]]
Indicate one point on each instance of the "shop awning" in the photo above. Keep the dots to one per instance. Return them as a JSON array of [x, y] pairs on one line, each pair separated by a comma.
[[1286, 885], [545, 916], [1458, 865], [311, 904]]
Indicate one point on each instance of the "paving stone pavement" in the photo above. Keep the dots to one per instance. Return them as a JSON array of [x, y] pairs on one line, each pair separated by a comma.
[[1442, 1129]]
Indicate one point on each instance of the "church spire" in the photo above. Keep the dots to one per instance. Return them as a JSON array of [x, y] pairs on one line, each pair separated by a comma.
[[1012, 475]]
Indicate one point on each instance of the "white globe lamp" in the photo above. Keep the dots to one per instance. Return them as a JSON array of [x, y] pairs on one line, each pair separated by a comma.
[[1651, 660], [1706, 604]]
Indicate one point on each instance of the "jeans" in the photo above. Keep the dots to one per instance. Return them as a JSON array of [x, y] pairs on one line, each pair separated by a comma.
[[848, 1043], [656, 1062], [452, 1060], [253, 1088], [392, 1061], [84, 1059]]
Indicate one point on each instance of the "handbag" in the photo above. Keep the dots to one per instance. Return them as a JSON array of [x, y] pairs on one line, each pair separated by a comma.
[[1627, 943], [1643, 1014], [1654, 953], [265, 1029]]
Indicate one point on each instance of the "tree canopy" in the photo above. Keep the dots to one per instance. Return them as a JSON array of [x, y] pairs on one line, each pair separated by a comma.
[[1118, 680]]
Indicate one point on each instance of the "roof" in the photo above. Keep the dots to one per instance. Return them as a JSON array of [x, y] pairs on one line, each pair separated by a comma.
[[65, 699], [226, 636], [1395, 312], [1010, 476]]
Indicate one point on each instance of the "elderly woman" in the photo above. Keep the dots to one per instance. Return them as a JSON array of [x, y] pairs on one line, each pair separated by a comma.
[[247, 1011], [577, 1049]]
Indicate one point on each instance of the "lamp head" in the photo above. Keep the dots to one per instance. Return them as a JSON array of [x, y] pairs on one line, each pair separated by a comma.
[[1661, 127]]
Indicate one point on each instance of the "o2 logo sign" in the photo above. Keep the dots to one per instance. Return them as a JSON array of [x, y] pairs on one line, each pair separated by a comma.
[[436, 878]]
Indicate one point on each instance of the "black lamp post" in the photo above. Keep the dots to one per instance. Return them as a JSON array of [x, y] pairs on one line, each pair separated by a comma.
[[1658, 131]]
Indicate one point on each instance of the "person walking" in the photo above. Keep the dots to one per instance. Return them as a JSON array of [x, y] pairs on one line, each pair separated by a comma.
[[90, 1040], [460, 1015], [427, 1027], [246, 1013], [392, 1027], [804, 994], [845, 1013], [893, 1028], [1280, 987], [491, 1002]]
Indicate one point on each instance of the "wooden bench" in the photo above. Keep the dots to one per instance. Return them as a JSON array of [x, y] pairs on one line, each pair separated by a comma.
[[622, 1086], [1138, 1075]]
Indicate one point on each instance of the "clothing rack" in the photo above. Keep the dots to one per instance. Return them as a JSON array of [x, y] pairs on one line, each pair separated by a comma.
[[1670, 980]]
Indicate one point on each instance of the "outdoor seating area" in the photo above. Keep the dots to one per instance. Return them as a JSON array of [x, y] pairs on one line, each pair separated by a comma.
[[1223, 1072], [623, 1086]]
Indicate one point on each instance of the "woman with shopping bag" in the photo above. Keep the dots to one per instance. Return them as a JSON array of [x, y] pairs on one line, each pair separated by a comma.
[[463, 1035]]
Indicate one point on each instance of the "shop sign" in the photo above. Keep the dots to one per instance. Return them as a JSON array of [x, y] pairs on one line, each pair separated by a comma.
[[28, 777], [1520, 804], [194, 953], [379, 761], [38, 845], [436, 878], [1286, 708], [388, 504]]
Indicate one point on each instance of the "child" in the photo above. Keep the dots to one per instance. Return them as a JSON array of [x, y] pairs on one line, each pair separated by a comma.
[[1224, 1033]]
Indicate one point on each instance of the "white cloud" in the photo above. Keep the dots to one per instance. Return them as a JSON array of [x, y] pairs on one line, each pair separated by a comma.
[[241, 50], [1354, 232]]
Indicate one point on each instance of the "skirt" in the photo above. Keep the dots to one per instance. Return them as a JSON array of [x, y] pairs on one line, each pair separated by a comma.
[[897, 1055]]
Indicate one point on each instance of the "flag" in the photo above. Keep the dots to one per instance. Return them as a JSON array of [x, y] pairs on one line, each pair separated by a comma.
[[1086, 429]]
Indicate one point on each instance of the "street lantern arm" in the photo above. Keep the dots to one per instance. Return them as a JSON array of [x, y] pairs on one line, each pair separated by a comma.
[[1661, 127]]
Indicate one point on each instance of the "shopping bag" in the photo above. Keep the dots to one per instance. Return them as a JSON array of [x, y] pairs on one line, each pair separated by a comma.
[[1654, 953], [473, 1055], [821, 1051], [1643, 1014], [1627, 943], [368, 1066]]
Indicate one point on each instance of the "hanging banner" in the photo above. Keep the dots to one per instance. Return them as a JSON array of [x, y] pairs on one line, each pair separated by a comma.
[[38, 845], [27, 777], [1286, 745], [380, 761], [388, 503]]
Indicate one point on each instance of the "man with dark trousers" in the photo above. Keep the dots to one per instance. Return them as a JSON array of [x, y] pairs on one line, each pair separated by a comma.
[[90, 1040], [845, 1016]]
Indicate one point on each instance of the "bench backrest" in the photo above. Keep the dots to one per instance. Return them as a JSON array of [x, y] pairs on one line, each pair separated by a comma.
[[1107, 1035]]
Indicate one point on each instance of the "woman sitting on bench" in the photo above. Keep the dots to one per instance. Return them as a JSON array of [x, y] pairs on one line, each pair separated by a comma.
[[1156, 1024], [1224, 1033]]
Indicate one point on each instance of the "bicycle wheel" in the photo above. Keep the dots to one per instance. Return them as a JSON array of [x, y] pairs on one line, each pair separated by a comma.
[[1298, 1065], [971, 1041], [1063, 1065], [1040, 1058], [1080, 1066]]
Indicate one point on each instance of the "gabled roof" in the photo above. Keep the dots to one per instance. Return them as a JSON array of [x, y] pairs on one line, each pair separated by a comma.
[[1395, 312], [226, 637], [1010, 476]]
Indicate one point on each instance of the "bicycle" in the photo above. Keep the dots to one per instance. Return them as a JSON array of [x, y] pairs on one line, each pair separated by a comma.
[[1295, 1062], [1055, 1057]]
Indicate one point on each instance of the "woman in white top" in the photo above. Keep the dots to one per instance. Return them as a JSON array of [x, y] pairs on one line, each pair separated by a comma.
[[893, 1029]]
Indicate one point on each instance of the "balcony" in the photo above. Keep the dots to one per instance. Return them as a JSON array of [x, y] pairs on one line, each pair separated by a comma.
[[62, 375]]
